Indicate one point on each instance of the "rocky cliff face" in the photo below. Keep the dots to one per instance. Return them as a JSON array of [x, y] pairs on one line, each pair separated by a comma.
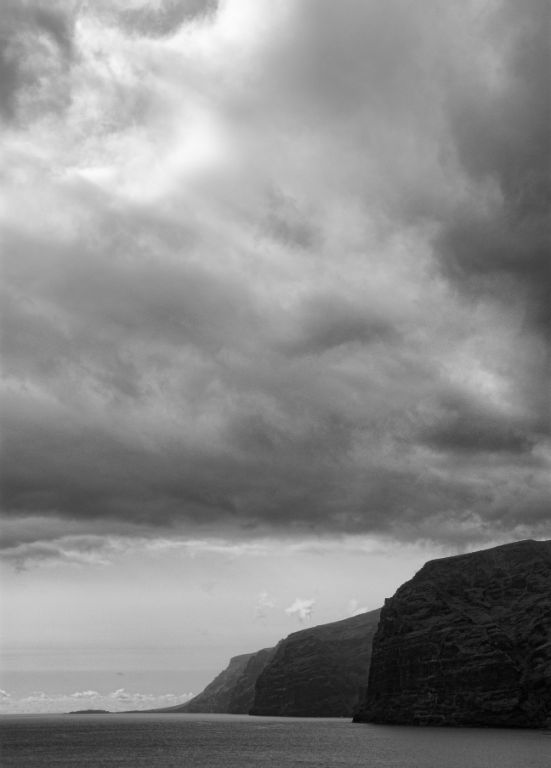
[[242, 698], [232, 691], [467, 642], [318, 672]]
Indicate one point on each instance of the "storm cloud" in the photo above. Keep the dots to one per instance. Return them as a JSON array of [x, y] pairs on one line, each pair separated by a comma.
[[275, 269]]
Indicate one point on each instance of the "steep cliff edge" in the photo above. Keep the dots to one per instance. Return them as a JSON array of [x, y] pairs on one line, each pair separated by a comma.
[[318, 672], [467, 642], [242, 698], [232, 691]]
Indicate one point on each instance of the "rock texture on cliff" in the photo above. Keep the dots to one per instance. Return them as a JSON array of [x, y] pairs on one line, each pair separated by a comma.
[[467, 642], [232, 691], [318, 672], [242, 698]]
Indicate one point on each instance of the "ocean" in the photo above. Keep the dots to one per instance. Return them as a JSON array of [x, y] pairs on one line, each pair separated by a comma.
[[239, 741]]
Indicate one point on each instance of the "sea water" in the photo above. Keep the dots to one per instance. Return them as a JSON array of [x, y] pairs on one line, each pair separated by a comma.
[[235, 741]]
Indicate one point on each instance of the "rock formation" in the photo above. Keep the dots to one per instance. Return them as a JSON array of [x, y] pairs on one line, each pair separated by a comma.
[[467, 641], [232, 691], [316, 672], [242, 698], [319, 671]]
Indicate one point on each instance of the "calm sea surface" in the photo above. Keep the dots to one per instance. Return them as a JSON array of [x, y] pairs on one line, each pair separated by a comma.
[[235, 741]]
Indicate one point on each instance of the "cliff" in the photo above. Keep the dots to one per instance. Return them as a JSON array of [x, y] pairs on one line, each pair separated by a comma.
[[315, 672], [242, 698], [318, 672], [232, 691], [467, 642]]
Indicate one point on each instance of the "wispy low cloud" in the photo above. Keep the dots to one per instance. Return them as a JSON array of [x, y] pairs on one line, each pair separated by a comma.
[[85, 695], [301, 608], [115, 701], [30, 543], [354, 608], [263, 605], [69, 550]]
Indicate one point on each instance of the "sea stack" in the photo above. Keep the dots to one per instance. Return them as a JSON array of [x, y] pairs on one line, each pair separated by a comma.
[[467, 642]]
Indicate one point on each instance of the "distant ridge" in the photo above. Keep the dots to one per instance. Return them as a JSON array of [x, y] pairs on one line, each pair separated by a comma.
[[232, 691]]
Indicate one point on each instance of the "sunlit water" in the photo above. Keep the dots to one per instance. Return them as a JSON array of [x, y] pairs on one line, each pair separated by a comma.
[[234, 741]]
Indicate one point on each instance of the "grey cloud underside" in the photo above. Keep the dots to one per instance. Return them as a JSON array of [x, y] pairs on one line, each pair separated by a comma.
[[28, 27], [506, 139], [26, 30], [355, 343], [164, 19]]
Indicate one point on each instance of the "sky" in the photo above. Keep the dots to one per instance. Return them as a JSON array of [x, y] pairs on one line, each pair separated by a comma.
[[275, 318]]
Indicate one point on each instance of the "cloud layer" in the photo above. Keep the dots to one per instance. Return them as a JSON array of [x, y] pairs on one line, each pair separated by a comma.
[[302, 608], [275, 269], [115, 701]]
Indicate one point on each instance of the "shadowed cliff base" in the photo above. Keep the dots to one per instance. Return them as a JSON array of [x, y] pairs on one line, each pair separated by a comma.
[[467, 642]]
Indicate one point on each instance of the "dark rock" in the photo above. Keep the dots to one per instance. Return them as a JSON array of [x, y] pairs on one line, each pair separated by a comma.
[[318, 672], [242, 698], [467, 642], [315, 672], [232, 691]]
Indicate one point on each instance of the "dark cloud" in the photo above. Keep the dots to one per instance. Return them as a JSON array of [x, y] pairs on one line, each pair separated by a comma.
[[356, 56], [8, 81], [164, 18], [281, 271], [501, 132], [327, 322], [462, 425], [35, 37]]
